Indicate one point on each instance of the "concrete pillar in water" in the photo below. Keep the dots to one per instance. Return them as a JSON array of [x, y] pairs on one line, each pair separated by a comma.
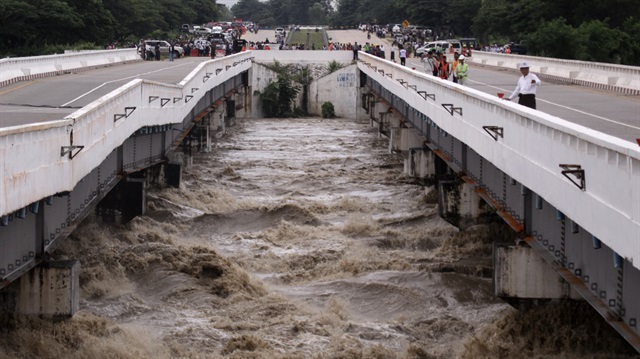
[[420, 163], [134, 198], [51, 290], [403, 139], [520, 272], [459, 204], [173, 174]]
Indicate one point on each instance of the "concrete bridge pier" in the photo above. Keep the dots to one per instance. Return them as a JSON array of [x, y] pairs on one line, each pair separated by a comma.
[[459, 203], [242, 101], [50, 290], [522, 276], [420, 162], [125, 201]]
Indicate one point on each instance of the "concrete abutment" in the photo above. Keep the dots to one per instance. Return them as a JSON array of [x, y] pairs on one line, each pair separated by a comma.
[[50, 290]]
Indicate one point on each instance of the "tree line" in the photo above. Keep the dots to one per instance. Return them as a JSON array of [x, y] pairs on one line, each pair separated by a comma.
[[35, 27], [590, 30], [604, 31]]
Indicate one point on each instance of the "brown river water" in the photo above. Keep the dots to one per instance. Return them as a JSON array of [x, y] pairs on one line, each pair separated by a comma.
[[298, 238]]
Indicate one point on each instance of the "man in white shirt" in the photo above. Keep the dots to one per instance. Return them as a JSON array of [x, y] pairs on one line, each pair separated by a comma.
[[526, 88], [403, 56], [429, 63]]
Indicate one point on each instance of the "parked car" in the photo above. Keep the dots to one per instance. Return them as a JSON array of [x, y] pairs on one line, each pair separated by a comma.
[[178, 51], [202, 31], [519, 49], [442, 46]]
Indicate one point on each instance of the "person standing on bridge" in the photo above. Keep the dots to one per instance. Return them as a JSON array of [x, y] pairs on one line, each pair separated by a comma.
[[526, 88], [462, 70], [403, 56]]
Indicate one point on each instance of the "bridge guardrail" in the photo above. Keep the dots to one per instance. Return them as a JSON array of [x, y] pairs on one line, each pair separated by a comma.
[[612, 77], [31, 156], [26, 68], [534, 146]]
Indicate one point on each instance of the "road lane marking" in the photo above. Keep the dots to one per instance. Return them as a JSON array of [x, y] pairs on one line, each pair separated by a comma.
[[563, 106], [118, 80], [17, 87]]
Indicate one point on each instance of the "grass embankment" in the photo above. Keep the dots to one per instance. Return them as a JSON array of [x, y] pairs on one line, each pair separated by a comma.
[[315, 39]]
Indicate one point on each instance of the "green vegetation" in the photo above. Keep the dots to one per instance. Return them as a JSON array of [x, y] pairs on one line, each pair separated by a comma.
[[334, 66], [36, 27], [315, 39], [279, 96], [593, 30], [328, 110]]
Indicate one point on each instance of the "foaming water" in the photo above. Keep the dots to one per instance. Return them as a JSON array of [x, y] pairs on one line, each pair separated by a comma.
[[298, 238]]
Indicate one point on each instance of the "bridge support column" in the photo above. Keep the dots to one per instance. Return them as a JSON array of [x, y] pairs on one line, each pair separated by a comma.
[[420, 163], [173, 174], [50, 291], [135, 198], [217, 124], [126, 201], [459, 204], [521, 273]]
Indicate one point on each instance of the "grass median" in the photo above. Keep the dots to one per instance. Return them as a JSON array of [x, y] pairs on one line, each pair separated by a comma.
[[315, 39]]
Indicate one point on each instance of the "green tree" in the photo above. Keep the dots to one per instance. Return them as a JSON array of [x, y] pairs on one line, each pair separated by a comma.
[[490, 22], [555, 38], [347, 13], [317, 15], [630, 47], [460, 15], [249, 10], [608, 42]]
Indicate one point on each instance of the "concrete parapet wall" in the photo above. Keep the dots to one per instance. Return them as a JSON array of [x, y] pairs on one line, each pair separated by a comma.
[[302, 57], [32, 157], [27, 68], [533, 148], [618, 78], [340, 88]]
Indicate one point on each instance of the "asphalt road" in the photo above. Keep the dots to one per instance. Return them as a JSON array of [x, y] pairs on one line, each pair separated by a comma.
[[53, 98]]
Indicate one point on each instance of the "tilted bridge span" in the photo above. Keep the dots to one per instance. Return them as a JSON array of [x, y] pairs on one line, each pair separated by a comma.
[[570, 193]]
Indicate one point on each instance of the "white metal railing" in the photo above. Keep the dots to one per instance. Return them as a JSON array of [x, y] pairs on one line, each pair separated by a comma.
[[595, 74], [30, 155], [534, 146]]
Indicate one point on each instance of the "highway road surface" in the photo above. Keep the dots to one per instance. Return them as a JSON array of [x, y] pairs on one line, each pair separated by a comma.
[[55, 97]]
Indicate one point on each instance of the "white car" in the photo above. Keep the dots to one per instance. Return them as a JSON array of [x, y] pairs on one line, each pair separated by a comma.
[[202, 31], [178, 51]]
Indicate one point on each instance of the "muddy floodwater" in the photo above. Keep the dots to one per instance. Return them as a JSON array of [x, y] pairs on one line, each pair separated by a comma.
[[298, 238]]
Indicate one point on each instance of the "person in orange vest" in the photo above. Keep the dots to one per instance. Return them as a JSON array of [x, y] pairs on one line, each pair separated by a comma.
[[443, 68], [454, 65], [507, 50], [244, 48]]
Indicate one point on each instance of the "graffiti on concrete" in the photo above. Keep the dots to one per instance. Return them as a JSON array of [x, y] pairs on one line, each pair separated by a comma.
[[346, 80]]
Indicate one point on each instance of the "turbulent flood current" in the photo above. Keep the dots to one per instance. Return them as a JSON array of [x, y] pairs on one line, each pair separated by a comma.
[[298, 238]]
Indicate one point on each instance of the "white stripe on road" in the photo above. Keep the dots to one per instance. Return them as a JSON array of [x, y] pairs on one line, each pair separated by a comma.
[[563, 106], [118, 80]]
